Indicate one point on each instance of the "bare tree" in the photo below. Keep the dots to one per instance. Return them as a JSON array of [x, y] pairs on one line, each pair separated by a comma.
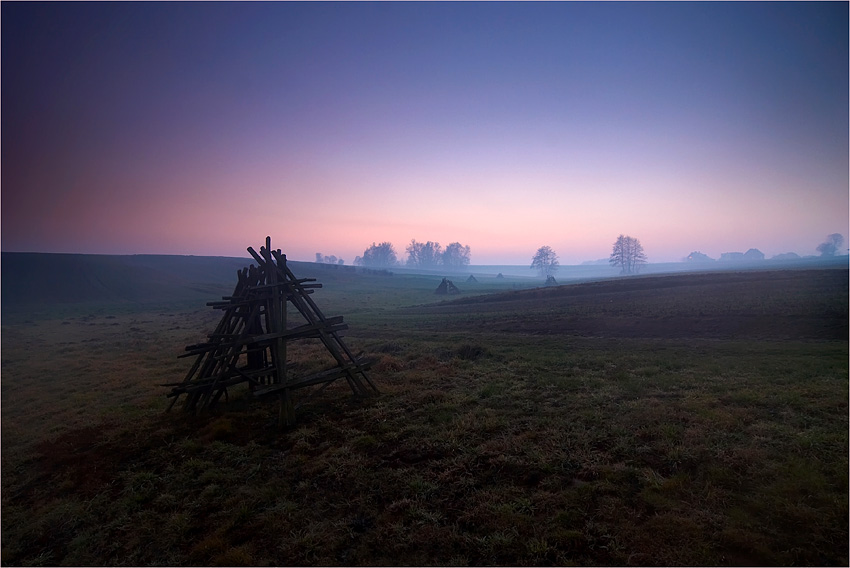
[[831, 245], [627, 254], [545, 261], [456, 256], [378, 255], [424, 255]]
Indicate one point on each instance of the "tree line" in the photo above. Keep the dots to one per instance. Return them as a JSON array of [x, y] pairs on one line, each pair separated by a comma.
[[332, 259], [429, 254], [627, 254], [831, 247]]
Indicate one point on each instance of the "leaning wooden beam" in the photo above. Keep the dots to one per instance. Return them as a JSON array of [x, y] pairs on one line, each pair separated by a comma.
[[209, 367], [325, 376], [311, 312], [315, 309], [308, 331]]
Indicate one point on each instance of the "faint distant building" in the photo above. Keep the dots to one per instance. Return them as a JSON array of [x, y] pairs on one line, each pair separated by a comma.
[[732, 257], [786, 256], [600, 262], [697, 256], [752, 255]]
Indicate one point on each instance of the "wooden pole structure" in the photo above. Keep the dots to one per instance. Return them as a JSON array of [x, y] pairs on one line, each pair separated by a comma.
[[254, 328]]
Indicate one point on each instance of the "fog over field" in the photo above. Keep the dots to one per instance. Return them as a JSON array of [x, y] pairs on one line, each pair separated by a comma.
[[151, 278]]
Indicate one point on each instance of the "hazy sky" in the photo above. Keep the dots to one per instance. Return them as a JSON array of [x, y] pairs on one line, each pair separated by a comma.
[[200, 128]]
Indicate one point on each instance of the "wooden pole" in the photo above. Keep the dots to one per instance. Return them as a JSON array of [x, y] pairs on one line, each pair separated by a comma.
[[276, 307], [287, 410]]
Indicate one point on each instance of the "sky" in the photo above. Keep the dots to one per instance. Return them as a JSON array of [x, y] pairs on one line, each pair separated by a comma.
[[201, 128]]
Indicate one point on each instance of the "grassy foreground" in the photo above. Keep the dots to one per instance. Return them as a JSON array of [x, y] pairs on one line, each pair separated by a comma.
[[542, 427]]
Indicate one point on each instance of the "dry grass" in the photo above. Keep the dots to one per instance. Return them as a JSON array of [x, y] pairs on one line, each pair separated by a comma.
[[485, 447]]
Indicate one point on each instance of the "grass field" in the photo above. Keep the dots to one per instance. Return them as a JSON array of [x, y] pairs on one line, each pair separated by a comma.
[[693, 419]]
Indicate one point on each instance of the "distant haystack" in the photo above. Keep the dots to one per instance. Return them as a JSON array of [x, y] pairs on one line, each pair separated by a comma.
[[446, 287], [550, 281], [499, 275], [471, 279]]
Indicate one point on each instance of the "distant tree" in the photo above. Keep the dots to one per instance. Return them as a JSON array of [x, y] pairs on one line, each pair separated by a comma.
[[381, 255], [627, 254], [456, 256], [831, 245], [332, 259], [697, 256], [424, 255], [545, 261], [413, 252], [619, 256]]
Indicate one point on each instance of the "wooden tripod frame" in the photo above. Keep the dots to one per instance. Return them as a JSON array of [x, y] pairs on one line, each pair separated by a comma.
[[250, 342]]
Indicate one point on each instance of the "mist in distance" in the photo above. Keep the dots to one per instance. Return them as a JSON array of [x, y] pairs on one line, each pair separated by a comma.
[[627, 257]]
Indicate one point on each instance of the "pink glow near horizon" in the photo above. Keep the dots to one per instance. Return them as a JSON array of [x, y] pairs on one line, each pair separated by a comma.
[[503, 222]]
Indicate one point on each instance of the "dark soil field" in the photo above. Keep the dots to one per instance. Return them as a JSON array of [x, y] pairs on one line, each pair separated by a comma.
[[692, 419], [669, 307]]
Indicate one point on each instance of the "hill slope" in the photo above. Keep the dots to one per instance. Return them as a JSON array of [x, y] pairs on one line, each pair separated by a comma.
[[757, 304], [45, 278]]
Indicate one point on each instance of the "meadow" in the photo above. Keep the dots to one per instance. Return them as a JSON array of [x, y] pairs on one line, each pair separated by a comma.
[[689, 419]]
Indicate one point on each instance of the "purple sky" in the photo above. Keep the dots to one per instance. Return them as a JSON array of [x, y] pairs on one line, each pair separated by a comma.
[[200, 128]]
